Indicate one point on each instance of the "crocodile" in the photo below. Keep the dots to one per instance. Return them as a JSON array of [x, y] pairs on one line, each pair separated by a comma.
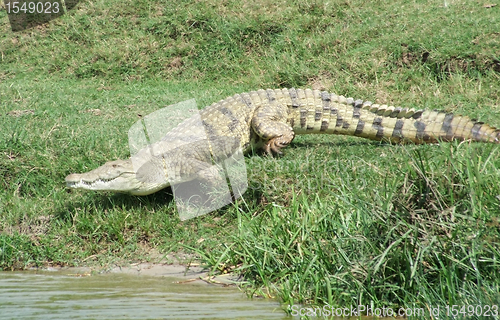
[[270, 119]]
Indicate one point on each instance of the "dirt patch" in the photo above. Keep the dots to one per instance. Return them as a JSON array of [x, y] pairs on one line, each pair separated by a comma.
[[19, 113], [453, 64]]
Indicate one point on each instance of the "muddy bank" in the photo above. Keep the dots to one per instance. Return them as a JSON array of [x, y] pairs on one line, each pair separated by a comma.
[[184, 272]]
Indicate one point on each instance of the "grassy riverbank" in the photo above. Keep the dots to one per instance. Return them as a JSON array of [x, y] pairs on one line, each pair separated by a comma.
[[336, 220]]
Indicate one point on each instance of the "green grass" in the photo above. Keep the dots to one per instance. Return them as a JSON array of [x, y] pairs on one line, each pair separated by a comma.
[[336, 220]]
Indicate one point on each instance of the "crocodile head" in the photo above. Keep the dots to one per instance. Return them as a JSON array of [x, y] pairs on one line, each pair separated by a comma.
[[116, 176]]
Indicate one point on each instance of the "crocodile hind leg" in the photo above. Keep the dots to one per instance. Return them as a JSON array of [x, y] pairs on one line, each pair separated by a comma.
[[270, 124]]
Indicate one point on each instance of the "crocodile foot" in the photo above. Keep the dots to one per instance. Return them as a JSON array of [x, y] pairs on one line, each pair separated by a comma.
[[275, 145]]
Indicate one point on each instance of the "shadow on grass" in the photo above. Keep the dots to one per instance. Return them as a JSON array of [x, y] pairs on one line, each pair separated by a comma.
[[105, 202], [307, 142]]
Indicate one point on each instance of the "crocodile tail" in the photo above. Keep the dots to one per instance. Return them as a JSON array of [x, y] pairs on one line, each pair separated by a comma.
[[314, 111], [424, 126]]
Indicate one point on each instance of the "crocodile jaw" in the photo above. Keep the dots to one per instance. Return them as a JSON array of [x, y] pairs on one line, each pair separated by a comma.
[[115, 176]]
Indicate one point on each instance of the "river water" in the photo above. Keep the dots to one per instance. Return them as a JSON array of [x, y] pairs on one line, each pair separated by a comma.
[[58, 295]]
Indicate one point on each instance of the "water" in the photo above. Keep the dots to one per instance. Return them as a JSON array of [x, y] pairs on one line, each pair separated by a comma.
[[54, 295]]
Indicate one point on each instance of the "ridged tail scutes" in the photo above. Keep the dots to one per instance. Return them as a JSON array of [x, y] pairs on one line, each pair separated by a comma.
[[435, 126], [314, 111]]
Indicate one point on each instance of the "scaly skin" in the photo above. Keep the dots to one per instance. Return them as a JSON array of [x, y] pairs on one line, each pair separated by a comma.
[[270, 119]]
